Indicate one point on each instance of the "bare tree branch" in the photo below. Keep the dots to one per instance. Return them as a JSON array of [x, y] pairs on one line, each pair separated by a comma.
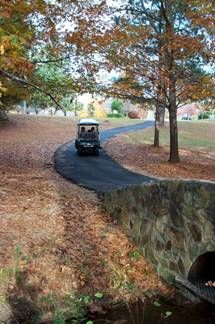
[[51, 61], [27, 83]]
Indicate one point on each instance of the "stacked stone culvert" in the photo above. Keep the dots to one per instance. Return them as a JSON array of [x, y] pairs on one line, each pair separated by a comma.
[[173, 222]]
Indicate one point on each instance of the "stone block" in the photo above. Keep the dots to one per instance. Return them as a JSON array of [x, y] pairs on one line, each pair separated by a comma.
[[173, 221]]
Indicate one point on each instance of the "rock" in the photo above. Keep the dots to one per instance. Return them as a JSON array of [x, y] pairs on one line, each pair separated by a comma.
[[3, 116], [172, 221], [6, 314]]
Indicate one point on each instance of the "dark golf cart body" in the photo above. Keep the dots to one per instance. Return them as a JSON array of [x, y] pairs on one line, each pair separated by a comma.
[[87, 140]]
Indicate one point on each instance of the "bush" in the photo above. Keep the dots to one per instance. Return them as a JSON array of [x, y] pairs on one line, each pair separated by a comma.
[[117, 105], [204, 115], [134, 114], [91, 110], [116, 115]]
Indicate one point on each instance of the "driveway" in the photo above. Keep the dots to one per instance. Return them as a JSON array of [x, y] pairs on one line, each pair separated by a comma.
[[99, 173]]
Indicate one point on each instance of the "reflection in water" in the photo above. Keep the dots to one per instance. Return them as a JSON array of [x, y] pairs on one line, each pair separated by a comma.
[[157, 312]]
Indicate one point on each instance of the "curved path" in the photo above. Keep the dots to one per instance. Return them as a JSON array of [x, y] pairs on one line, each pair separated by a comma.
[[99, 173]]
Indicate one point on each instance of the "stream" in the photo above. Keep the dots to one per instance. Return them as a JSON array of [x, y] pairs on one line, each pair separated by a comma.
[[155, 312]]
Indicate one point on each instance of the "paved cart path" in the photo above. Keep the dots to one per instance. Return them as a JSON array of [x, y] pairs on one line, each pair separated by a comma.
[[99, 173]]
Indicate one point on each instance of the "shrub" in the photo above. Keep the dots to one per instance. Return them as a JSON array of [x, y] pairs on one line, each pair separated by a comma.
[[117, 105], [204, 115], [91, 110], [116, 115]]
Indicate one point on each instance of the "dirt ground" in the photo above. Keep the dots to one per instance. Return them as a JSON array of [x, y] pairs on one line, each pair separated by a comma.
[[55, 239], [154, 161]]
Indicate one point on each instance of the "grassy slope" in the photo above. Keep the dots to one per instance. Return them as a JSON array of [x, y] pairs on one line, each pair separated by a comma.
[[198, 135], [117, 122]]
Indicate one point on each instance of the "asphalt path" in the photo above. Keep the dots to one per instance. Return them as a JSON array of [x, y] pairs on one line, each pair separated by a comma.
[[98, 173]]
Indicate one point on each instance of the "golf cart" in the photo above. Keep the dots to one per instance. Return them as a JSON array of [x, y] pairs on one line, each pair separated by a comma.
[[87, 140]]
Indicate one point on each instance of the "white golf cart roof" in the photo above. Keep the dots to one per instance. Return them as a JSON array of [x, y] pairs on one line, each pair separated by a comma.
[[88, 121]]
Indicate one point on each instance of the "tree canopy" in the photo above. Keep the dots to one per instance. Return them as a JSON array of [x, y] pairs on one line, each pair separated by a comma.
[[157, 50]]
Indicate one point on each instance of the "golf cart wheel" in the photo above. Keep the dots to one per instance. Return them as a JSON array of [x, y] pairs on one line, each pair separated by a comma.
[[96, 151], [79, 152]]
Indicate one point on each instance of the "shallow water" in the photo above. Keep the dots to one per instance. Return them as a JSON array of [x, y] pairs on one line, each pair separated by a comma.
[[157, 312]]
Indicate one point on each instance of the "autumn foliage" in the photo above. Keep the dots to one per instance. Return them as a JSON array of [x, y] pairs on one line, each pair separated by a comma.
[[158, 50]]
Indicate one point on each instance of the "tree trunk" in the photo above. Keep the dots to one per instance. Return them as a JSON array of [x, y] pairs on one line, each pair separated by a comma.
[[159, 118], [76, 104], [159, 114], [24, 107], [162, 113], [156, 135], [171, 72], [161, 101], [3, 115], [174, 153], [157, 131]]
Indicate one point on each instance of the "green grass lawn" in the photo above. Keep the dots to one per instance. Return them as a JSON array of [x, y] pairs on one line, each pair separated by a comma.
[[194, 135], [117, 122]]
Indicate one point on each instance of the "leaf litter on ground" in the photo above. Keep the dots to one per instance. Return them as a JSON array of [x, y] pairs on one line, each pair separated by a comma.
[[68, 245]]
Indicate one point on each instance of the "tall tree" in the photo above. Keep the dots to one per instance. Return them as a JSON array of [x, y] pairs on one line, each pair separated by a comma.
[[158, 45], [26, 29]]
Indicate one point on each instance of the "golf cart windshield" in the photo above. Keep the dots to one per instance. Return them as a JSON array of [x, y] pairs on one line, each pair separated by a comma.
[[88, 129], [87, 140]]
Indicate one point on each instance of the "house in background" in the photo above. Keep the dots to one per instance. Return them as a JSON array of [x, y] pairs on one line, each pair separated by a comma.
[[188, 111]]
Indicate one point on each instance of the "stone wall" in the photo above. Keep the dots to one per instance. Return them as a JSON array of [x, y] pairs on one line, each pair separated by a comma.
[[172, 221]]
